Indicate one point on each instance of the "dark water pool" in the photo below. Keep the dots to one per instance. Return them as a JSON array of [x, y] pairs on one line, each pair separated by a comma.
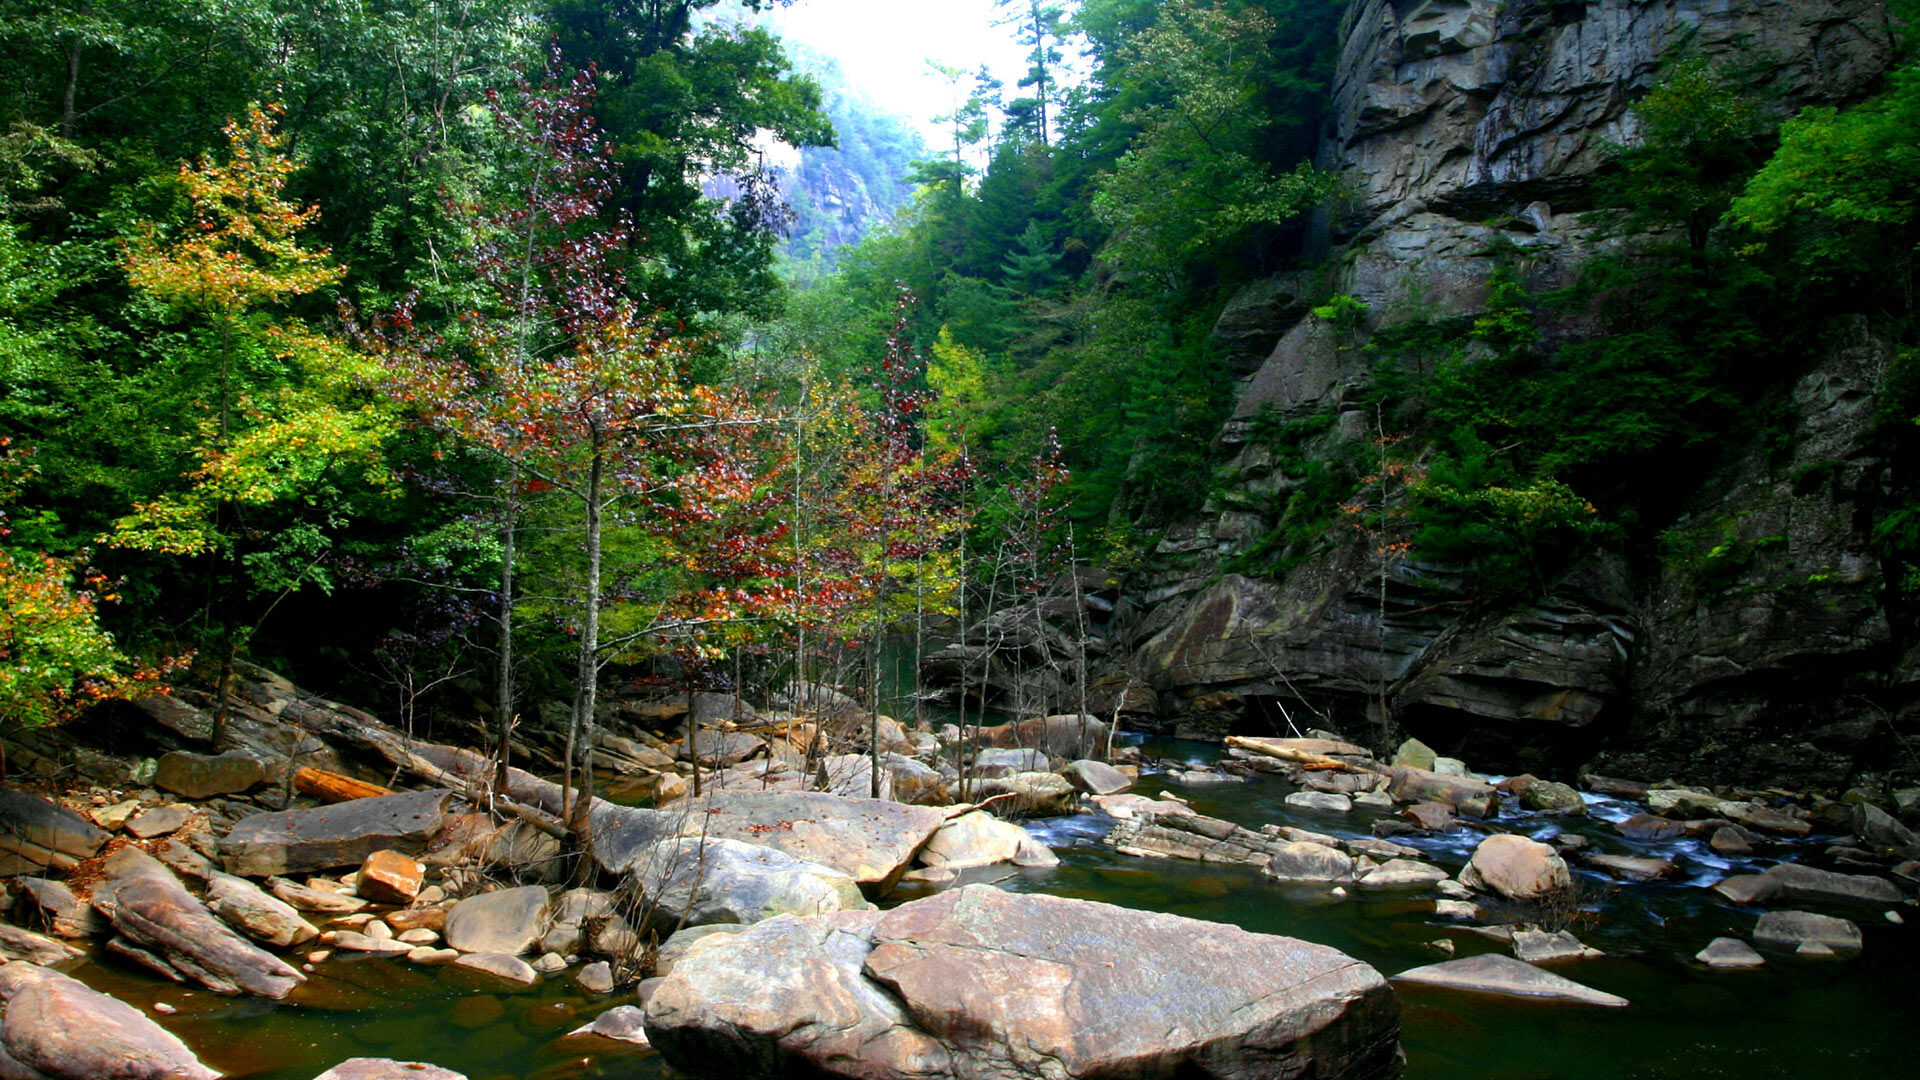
[[1788, 1020]]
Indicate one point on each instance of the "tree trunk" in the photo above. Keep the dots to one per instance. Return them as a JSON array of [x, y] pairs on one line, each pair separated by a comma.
[[503, 687], [587, 675]]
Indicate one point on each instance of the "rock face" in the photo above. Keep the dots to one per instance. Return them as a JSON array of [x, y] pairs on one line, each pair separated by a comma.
[[979, 982], [292, 841], [36, 834], [163, 927], [59, 1029], [1473, 127]]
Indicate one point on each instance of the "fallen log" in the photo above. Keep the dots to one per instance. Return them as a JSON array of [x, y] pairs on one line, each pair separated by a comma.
[[1311, 753], [331, 787]]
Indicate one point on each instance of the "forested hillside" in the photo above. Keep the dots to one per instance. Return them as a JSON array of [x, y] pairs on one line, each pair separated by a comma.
[[402, 344]]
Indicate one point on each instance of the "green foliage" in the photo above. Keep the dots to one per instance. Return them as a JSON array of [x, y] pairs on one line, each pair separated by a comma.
[[1701, 136], [1840, 193]]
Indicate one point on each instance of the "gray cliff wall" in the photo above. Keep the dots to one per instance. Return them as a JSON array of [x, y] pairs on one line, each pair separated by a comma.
[[1468, 125]]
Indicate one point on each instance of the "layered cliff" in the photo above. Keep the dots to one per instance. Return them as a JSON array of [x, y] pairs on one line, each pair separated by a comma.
[[1752, 643]]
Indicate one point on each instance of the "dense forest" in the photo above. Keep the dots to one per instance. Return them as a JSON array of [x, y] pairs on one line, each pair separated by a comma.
[[413, 341]]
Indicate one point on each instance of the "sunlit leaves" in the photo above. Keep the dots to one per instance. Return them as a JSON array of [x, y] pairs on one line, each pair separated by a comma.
[[242, 246]]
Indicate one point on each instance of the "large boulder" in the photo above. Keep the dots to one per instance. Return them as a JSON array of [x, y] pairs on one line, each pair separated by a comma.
[[1096, 777], [1468, 797], [687, 881], [36, 834], [1306, 861], [202, 776], [1030, 794], [1060, 735], [996, 761], [973, 839], [163, 927], [868, 839], [983, 983], [1516, 868], [57, 1028], [293, 841], [507, 921]]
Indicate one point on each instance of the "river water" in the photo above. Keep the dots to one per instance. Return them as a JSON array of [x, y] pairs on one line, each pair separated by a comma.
[[1835, 1019]]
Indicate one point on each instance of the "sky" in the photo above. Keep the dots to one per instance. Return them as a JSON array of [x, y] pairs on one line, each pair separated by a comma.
[[884, 45]]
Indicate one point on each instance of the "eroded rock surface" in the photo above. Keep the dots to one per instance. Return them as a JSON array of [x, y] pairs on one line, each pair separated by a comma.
[[61, 1030], [163, 927], [979, 982]]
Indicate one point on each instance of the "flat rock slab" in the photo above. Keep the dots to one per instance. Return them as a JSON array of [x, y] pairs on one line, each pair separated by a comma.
[[1809, 883], [35, 833], [60, 1029], [18, 944], [202, 776], [978, 982], [163, 927], [1323, 801], [1496, 974], [388, 1069], [292, 841], [1633, 867], [1796, 930], [160, 821]]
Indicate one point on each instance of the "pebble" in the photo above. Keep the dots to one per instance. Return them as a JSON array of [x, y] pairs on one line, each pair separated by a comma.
[[164, 1009], [379, 930], [550, 963], [432, 894], [319, 956], [420, 935], [1894, 918]]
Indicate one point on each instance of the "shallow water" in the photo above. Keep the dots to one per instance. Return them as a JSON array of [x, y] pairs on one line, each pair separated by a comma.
[[1786, 1020]]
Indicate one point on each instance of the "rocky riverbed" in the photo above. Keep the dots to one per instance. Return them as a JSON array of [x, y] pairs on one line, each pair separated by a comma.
[[1309, 906]]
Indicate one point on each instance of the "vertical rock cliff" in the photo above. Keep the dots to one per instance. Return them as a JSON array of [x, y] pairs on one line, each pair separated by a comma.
[[1472, 129]]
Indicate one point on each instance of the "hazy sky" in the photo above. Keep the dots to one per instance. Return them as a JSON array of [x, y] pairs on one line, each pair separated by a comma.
[[884, 46]]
